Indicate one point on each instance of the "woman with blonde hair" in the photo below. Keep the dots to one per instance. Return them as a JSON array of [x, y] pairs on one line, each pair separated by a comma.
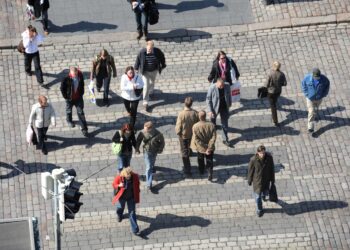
[[42, 115], [127, 190]]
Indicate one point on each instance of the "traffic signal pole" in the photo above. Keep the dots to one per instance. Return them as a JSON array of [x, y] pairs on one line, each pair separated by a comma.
[[57, 219]]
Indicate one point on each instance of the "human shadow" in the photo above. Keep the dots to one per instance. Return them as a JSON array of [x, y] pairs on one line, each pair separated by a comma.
[[273, 2], [179, 35], [82, 26], [306, 206], [58, 78], [166, 176], [166, 221], [21, 167], [60, 142], [190, 5]]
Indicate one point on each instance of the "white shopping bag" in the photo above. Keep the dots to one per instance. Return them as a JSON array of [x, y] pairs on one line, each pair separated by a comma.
[[92, 96], [236, 91], [29, 135]]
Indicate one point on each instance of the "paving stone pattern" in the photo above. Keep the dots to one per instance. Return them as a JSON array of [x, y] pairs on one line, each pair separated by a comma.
[[311, 173]]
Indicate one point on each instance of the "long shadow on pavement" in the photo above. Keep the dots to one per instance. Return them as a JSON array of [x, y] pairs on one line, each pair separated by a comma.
[[180, 35], [21, 167], [166, 220], [191, 5], [82, 26]]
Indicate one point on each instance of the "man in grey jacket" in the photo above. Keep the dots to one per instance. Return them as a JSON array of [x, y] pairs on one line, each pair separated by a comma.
[[219, 103]]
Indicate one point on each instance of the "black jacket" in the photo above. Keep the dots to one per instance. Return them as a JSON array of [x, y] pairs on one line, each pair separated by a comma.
[[36, 4], [67, 86], [216, 71], [141, 58], [261, 172], [127, 143]]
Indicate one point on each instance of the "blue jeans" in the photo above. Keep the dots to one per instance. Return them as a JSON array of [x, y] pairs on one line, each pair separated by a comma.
[[132, 213], [123, 161], [150, 159], [142, 21], [224, 116], [258, 200], [105, 82], [79, 104]]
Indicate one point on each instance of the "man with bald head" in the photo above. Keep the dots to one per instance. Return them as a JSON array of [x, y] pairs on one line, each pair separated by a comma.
[[203, 141]]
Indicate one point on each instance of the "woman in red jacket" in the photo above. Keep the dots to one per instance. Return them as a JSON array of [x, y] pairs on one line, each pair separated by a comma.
[[127, 189]]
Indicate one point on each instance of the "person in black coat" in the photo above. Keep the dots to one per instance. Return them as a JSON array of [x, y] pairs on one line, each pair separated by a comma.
[[141, 10], [221, 68], [41, 9]]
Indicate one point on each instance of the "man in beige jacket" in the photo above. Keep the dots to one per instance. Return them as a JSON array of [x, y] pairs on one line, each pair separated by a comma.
[[184, 123], [203, 141]]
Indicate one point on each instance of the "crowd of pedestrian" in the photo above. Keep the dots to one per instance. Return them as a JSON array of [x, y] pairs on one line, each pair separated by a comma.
[[195, 130]]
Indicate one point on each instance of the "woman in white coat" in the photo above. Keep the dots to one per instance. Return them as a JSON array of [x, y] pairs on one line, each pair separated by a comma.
[[42, 115], [131, 86]]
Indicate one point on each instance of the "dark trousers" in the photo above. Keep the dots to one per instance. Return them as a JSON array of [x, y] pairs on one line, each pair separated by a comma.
[[131, 107], [105, 81], [41, 138], [224, 116], [44, 19], [142, 21], [79, 104], [185, 153], [209, 163], [273, 105], [28, 58]]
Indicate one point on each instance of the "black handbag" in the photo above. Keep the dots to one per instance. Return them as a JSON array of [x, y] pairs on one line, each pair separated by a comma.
[[273, 193], [262, 92], [138, 92]]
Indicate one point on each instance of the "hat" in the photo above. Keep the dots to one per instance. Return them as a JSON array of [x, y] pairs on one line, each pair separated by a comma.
[[316, 73]]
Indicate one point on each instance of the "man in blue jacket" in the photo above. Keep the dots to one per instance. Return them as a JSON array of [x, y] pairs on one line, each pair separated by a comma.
[[315, 87]]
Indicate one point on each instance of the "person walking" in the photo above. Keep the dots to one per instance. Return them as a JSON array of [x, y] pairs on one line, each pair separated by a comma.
[[31, 40], [224, 68], [42, 115], [41, 8], [141, 10], [149, 62], [203, 141], [153, 144], [219, 103], [261, 172], [72, 89], [184, 123], [125, 136], [315, 87], [126, 187], [103, 67], [275, 80], [131, 85]]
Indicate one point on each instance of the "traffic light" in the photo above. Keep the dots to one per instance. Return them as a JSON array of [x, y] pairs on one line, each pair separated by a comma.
[[69, 196]]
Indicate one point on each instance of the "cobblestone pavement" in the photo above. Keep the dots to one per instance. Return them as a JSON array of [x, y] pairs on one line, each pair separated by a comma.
[[312, 174]]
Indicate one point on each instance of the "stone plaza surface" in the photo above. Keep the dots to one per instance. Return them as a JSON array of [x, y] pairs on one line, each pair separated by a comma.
[[312, 175]]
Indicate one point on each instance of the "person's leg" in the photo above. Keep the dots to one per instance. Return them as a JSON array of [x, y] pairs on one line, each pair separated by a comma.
[[127, 105], [133, 111], [38, 72], [258, 201], [40, 138], [273, 101], [145, 23], [99, 82], [209, 159], [224, 116], [120, 162], [146, 86], [200, 160], [152, 79], [185, 152], [148, 163], [81, 115], [45, 19], [213, 119], [138, 15], [44, 149], [120, 209], [132, 216], [28, 63], [106, 83], [127, 160], [312, 106], [69, 106]]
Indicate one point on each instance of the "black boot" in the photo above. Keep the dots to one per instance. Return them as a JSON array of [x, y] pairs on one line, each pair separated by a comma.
[[140, 34]]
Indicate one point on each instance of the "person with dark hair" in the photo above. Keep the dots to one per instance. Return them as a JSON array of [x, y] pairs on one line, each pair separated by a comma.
[[41, 8], [141, 10], [218, 103], [315, 87], [224, 68], [125, 136], [131, 85], [103, 67], [149, 62], [31, 40], [184, 123], [261, 172], [203, 141], [275, 80], [126, 187], [42, 115], [72, 89]]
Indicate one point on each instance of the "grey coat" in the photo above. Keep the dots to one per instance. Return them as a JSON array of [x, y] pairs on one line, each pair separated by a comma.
[[275, 80], [213, 98]]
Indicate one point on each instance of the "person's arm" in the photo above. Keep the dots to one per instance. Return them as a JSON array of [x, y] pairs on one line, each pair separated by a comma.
[[161, 59], [93, 69], [26, 39], [139, 141], [284, 80], [162, 141], [82, 84], [137, 62], [211, 144], [178, 126], [39, 38], [114, 69], [268, 81], [116, 182], [210, 101], [139, 82], [235, 68], [212, 73], [304, 87], [133, 140], [251, 170], [32, 115], [63, 88], [272, 171], [116, 137], [326, 91]]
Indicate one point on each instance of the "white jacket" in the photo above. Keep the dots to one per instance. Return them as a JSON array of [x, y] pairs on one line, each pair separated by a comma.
[[127, 87], [42, 117], [31, 44]]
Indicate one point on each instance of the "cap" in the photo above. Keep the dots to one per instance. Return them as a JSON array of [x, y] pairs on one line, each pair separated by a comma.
[[316, 73]]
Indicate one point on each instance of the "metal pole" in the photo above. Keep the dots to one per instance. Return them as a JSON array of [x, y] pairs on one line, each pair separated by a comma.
[[57, 219]]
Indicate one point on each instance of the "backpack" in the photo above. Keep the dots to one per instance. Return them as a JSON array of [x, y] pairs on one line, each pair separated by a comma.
[[20, 47], [153, 14]]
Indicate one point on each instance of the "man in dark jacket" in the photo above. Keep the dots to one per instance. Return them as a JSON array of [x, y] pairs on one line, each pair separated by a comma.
[[275, 80], [261, 171], [72, 89], [141, 10], [41, 8], [149, 62], [315, 87], [224, 68]]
